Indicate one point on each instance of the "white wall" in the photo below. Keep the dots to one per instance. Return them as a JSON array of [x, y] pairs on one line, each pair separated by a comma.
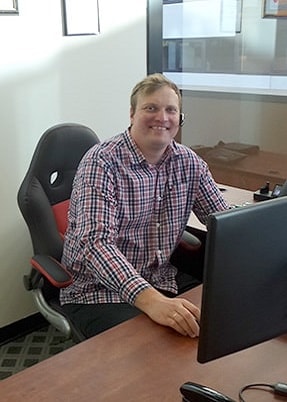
[[46, 79]]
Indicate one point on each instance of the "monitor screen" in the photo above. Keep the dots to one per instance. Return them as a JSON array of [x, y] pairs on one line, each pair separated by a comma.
[[244, 300]]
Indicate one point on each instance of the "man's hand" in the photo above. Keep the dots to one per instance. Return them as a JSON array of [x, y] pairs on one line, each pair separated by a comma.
[[176, 313]]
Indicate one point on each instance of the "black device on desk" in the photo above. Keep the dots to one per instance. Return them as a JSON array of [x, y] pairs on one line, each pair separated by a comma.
[[244, 298], [264, 193], [192, 392]]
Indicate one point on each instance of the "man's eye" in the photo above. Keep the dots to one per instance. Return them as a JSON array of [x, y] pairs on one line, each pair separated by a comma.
[[150, 108], [172, 110]]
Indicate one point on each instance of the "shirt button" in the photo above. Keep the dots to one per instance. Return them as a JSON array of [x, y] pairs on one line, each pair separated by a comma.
[[159, 252], [158, 225]]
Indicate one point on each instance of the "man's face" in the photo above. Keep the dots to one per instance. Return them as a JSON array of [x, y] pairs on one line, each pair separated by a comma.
[[155, 121]]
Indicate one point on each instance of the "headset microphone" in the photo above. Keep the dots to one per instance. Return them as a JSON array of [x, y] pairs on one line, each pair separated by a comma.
[[181, 119]]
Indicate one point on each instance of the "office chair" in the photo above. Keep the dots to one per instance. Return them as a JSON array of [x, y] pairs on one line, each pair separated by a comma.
[[43, 199]]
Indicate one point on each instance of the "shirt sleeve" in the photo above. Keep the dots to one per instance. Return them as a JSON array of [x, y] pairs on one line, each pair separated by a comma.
[[94, 202], [209, 198]]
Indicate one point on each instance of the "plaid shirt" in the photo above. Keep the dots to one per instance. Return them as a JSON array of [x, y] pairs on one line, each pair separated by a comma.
[[126, 218]]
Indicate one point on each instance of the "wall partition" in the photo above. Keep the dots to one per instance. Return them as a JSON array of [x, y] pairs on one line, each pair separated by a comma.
[[229, 57]]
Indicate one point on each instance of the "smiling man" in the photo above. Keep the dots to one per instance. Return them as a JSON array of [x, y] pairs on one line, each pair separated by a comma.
[[131, 200]]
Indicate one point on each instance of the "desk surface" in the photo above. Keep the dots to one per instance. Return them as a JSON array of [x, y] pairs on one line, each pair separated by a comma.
[[252, 171], [262, 163], [233, 196], [142, 361]]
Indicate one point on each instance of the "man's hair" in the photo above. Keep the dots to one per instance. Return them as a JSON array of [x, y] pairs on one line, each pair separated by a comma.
[[150, 84]]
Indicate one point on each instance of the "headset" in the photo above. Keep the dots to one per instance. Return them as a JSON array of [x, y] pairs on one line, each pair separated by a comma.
[[181, 119]]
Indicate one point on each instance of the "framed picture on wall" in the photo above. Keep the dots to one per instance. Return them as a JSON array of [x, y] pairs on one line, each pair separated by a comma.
[[9, 7], [274, 8], [80, 17]]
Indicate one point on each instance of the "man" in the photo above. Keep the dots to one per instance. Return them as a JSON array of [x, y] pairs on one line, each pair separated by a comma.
[[131, 199]]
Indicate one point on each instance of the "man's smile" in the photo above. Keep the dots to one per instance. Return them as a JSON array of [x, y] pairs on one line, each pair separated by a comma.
[[160, 128]]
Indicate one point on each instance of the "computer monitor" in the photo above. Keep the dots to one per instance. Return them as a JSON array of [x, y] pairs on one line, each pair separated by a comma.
[[244, 300]]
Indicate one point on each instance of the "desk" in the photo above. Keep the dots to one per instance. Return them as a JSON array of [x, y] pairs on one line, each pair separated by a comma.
[[142, 361], [252, 171], [232, 195]]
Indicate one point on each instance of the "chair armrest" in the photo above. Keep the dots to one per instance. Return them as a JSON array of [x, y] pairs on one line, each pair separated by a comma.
[[190, 241], [49, 268]]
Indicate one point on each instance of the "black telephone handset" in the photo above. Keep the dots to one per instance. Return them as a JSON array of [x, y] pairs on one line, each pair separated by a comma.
[[192, 392]]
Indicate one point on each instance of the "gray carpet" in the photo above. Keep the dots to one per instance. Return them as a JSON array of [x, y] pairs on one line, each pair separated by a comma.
[[31, 349]]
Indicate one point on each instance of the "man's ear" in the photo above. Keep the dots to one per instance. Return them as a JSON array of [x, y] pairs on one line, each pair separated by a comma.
[[131, 114]]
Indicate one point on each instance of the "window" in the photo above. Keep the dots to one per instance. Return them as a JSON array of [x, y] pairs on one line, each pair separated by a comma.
[[233, 77]]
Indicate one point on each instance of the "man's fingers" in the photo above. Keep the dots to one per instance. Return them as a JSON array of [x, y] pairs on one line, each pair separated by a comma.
[[192, 308], [185, 323]]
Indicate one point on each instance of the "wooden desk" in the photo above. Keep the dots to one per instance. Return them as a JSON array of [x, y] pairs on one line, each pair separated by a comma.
[[252, 171], [142, 361], [233, 196]]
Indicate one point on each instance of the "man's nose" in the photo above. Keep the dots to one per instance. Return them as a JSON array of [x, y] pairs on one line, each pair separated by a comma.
[[162, 115]]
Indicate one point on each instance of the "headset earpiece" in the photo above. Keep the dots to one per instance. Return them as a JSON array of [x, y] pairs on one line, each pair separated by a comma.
[[181, 119]]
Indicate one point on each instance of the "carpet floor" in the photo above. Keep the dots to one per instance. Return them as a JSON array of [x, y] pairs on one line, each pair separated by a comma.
[[31, 349]]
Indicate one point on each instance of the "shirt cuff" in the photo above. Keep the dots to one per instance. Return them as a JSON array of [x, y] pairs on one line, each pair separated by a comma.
[[132, 287]]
